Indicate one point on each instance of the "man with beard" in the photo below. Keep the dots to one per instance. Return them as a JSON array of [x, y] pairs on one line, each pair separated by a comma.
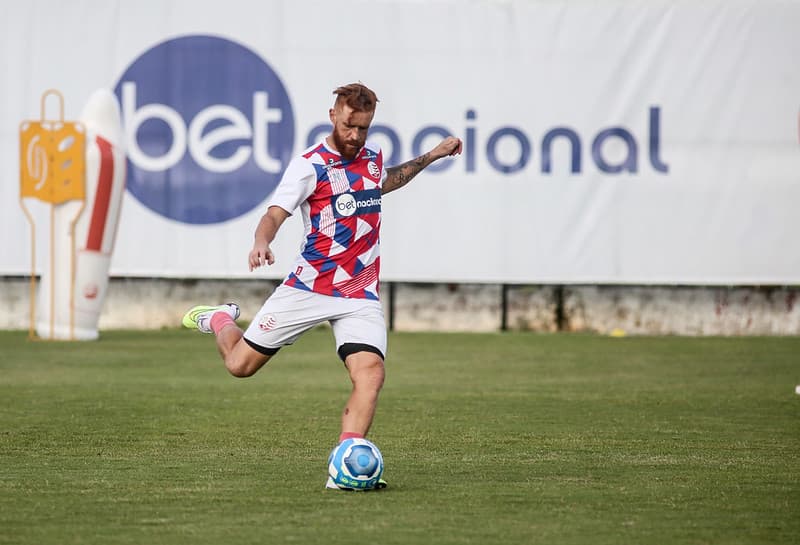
[[338, 184]]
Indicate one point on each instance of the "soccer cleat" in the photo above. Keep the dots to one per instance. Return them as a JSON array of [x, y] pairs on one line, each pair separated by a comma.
[[199, 317], [380, 485]]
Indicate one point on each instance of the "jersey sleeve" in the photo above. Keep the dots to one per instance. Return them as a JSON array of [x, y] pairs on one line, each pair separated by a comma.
[[296, 185]]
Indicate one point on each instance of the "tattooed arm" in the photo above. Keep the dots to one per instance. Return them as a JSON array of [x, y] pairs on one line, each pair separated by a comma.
[[397, 177]]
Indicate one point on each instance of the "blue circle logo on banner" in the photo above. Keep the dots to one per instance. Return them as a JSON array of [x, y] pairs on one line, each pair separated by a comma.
[[208, 128]]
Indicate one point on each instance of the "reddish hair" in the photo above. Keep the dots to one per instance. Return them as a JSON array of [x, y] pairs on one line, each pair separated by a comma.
[[356, 95]]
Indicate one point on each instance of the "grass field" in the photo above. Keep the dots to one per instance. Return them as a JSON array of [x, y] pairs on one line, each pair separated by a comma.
[[143, 438]]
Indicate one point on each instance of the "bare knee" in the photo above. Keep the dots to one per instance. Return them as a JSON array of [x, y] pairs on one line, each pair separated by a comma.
[[239, 369], [366, 371], [244, 363]]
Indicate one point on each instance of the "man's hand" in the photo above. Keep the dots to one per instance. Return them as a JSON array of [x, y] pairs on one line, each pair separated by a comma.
[[448, 147], [397, 177], [260, 255], [265, 233]]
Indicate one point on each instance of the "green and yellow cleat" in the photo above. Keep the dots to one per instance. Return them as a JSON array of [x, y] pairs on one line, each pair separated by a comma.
[[199, 317]]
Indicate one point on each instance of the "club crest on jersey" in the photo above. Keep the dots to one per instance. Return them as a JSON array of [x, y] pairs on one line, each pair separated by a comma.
[[373, 169]]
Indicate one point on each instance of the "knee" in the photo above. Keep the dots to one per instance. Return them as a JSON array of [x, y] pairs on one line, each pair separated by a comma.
[[243, 361], [368, 373], [375, 376], [239, 368]]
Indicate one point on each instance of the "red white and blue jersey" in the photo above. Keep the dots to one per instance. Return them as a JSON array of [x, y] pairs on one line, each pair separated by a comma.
[[340, 203]]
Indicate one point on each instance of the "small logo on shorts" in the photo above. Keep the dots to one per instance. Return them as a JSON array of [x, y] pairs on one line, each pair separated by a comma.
[[267, 323]]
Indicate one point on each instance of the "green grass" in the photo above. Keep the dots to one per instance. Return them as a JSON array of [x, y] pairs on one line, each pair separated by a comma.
[[143, 438]]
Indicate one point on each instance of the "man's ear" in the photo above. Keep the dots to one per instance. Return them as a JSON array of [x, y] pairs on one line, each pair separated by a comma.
[[332, 115]]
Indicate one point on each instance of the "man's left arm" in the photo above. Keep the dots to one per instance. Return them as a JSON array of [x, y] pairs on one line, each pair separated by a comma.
[[397, 177]]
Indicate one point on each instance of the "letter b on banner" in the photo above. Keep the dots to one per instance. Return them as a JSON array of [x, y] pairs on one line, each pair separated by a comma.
[[209, 129]]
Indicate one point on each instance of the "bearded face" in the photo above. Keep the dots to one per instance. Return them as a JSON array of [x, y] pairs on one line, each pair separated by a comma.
[[350, 129]]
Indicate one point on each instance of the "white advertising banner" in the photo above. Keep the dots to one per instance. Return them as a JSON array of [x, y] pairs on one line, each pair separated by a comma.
[[611, 142]]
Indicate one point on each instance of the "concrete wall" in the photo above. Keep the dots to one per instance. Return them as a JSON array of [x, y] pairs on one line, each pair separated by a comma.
[[135, 303]]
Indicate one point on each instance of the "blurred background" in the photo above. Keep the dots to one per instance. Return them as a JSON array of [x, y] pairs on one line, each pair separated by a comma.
[[628, 167]]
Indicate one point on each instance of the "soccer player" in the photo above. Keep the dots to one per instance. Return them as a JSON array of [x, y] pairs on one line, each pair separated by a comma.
[[337, 184]]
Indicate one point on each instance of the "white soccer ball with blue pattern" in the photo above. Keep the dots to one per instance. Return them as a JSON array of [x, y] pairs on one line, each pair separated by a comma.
[[355, 464]]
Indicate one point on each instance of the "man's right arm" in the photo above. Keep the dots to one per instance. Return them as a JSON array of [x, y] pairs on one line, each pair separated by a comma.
[[297, 183], [268, 226]]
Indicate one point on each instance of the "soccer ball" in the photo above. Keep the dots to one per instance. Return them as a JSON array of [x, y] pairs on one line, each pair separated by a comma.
[[355, 463]]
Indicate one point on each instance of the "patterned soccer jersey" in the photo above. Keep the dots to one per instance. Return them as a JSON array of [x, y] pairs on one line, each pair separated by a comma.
[[340, 202]]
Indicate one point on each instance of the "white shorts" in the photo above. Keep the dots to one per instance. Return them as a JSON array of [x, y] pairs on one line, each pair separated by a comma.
[[289, 312]]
